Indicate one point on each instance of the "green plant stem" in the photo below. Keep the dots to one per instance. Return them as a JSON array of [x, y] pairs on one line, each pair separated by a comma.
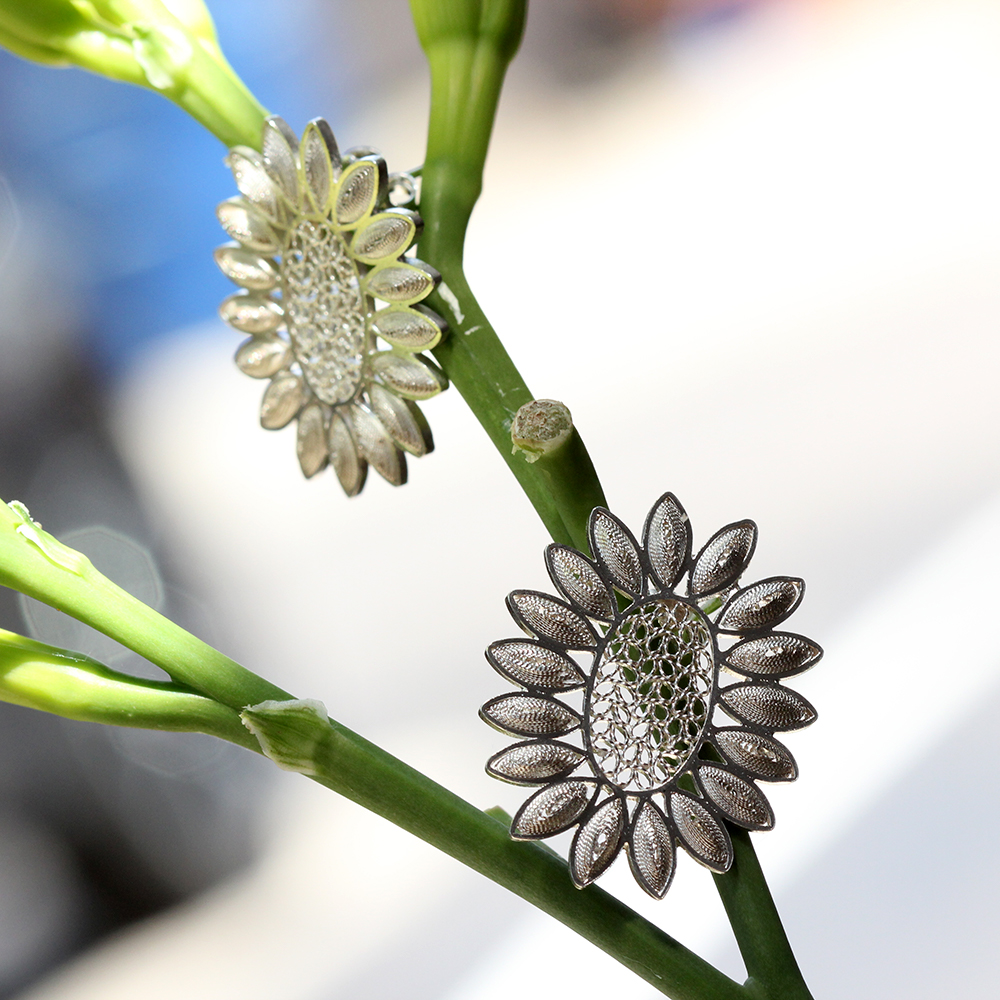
[[773, 972], [353, 767], [215, 96], [41, 567], [468, 46]]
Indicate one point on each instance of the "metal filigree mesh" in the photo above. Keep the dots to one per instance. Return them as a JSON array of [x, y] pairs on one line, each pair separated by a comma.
[[651, 695], [660, 769], [324, 310]]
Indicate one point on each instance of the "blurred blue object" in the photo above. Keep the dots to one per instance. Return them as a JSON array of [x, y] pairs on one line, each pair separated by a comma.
[[132, 182]]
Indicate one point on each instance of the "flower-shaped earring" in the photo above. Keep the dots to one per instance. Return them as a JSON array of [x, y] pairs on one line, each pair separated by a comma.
[[318, 230], [662, 767]]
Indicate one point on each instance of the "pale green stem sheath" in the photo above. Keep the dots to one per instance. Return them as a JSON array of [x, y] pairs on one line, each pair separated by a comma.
[[74, 686]]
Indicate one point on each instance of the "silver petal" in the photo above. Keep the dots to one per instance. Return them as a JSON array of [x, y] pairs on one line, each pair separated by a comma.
[[350, 467], [553, 809], [408, 375], [320, 163], [666, 538], [533, 665], [385, 235], [247, 267], [283, 399], [551, 619], [705, 838], [651, 852], [254, 183], [402, 419], [279, 147], [723, 559], [579, 582], [242, 222], [780, 654], [310, 441], [769, 706], [413, 329], [534, 762], [529, 715], [263, 358], [761, 605], [738, 799], [597, 842], [616, 550], [376, 445], [251, 313], [758, 755], [359, 189], [402, 282]]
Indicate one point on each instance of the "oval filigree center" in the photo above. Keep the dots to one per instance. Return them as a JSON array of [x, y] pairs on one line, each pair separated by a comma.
[[324, 310], [651, 694]]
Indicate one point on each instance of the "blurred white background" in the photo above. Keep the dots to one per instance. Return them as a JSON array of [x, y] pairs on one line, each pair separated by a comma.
[[756, 253]]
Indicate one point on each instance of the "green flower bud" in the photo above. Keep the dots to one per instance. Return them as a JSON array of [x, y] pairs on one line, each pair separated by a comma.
[[167, 45], [76, 687]]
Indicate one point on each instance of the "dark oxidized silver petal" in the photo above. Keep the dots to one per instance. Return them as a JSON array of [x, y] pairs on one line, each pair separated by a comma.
[[780, 654], [597, 842], [579, 582], [529, 715], [736, 798], [533, 762], [769, 706], [761, 605], [616, 551], [651, 851], [534, 665], [704, 837], [550, 619], [758, 755], [553, 809], [723, 559], [666, 538]]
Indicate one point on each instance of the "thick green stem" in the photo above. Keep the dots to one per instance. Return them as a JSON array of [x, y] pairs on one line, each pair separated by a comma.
[[774, 973], [468, 47], [356, 768]]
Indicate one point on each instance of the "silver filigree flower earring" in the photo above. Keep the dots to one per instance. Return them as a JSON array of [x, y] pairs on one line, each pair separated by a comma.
[[319, 254], [663, 767]]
